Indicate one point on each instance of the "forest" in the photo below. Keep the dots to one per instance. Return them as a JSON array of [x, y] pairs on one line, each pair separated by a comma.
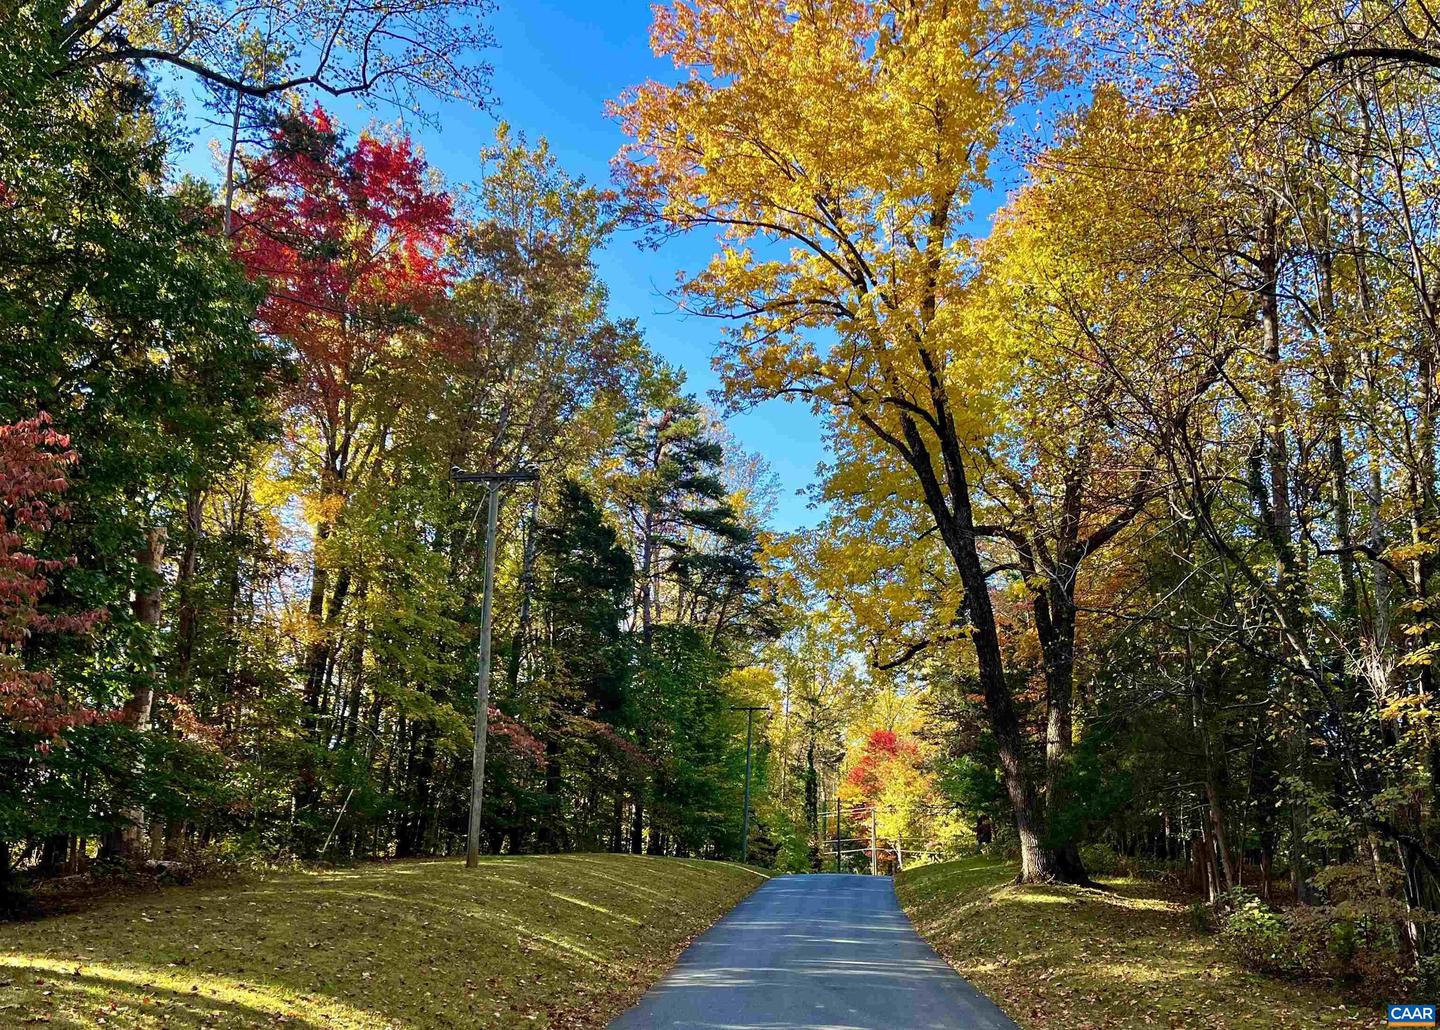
[[241, 588], [1120, 323]]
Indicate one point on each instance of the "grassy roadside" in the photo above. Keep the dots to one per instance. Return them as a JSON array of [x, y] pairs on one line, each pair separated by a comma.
[[562, 941], [1066, 958]]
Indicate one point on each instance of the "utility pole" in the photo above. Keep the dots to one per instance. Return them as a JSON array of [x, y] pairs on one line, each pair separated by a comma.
[[749, 711], [837, 820], [493, 481], [874, 856]]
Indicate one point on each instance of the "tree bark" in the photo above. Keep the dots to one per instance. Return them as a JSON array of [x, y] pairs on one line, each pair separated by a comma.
[[149, 592], [1055, 618], [1038, 862], [187, 613], [637, 825], [129, 840]]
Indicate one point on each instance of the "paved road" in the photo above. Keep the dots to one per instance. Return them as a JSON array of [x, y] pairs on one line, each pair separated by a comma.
[[821, 952]]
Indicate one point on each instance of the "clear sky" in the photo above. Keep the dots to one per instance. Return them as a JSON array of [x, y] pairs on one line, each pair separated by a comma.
[[556, 64]]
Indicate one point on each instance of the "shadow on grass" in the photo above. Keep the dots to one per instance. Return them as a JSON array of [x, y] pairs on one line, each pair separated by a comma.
[[1126, 956], [520, 941], [138, 997]]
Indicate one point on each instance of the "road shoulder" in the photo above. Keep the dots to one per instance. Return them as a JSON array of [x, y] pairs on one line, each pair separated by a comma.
[[1066, 958]]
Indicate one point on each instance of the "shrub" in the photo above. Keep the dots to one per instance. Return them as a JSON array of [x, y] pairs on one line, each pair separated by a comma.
[[1340, 940], [1427, 975], [1361, 923], [1261, 939], [1103, 860], [1344, 942]]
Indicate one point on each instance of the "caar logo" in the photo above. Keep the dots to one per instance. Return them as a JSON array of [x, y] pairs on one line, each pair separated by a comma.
[[1411, 1015]]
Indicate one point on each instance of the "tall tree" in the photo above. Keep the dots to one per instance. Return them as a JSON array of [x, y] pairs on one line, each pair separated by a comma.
[[585, 580], [351, 242], [128, 322], [848, 218]]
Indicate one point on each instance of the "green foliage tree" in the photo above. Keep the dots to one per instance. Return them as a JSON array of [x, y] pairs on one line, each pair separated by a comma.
[[128, 322]]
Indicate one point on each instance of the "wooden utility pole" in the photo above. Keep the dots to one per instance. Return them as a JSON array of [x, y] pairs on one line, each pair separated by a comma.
[[749, 711], [874, 854], [493, 481], [837, 822]]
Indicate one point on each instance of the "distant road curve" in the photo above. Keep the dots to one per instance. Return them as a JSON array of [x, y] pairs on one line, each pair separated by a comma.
[[819, 952]]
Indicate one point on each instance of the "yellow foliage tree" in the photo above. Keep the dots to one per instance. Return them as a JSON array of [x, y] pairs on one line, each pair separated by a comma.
[[834, 147]]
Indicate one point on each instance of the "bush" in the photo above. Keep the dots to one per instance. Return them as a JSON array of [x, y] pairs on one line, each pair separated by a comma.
[[1103, 860], [1360, 924], [16, 901], [792, 845], [1427, 975], [1261, 939], [1344, 942], [1340, 941]]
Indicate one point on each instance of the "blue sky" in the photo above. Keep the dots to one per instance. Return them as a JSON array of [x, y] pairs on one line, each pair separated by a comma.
[[557, 63]]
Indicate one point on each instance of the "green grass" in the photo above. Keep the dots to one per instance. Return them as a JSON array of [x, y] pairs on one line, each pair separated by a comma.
[[564, 941], [1068, 958]]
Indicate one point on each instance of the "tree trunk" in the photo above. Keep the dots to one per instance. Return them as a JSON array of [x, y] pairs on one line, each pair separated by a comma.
[[424, 784], [637, 825], [1055, 617], [527, 582], [551, 828], [54, 854], [231, 152], [315, 611], [1038, 863], [349, 723], [129, 840], [1199, 874], [647, 584], [1213, 886], [187, 614], [149, 591], [950, 506], [617, 818], [812, 803], [1217, 833], [324, 618]]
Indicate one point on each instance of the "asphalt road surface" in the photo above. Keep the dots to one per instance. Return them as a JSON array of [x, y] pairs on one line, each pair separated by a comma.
[[820, 952]]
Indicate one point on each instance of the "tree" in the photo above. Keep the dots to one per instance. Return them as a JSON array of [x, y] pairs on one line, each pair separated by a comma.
[[856, 211], [404, 49], [696, 555], [891, 789], [34, 459], [36, 710], [585, 580], [351, 242], [128, 322]]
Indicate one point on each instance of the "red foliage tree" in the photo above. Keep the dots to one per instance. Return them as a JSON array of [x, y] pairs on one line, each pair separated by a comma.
[[518, 739], [33, 461], [881, 747], [352, 243]]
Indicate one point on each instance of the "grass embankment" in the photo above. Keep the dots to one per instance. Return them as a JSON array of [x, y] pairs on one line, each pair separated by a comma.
[[564, 941], [1067, 958]]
